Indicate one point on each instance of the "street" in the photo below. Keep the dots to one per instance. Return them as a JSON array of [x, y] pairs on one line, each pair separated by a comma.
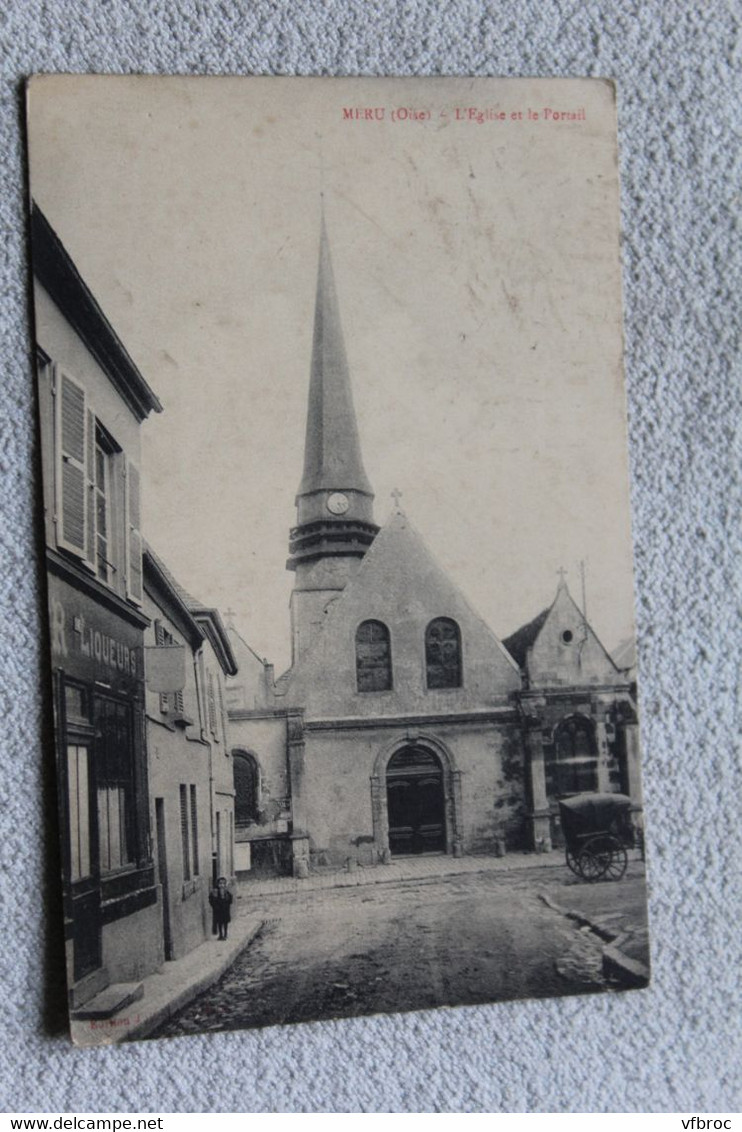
[[413, 945]]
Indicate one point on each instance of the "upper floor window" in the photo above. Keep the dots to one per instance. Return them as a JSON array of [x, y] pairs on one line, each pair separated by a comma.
[[443, 653], [373, 657], [169, 701], [97, 491]]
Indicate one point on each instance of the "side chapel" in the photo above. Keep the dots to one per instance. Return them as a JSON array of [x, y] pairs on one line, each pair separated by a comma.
[[404, 726]]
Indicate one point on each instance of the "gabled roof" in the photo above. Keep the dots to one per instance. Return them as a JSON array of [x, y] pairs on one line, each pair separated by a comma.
[[532, 646], [519, 642], [235, 632], [57, 273], [169, 596], [210, 621], [207, 621], [400, 582], [624, 655]]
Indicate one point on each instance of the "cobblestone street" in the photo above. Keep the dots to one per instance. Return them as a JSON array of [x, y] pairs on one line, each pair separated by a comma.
[[411, 945]]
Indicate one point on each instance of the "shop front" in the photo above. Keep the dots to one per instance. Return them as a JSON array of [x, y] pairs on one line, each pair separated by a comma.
[[109, 882]]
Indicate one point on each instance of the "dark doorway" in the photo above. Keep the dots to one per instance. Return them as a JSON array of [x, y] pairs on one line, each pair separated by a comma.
[[167, 935], [415, 802]]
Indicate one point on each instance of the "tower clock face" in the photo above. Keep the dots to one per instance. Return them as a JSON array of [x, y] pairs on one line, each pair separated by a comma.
[[337, 504]]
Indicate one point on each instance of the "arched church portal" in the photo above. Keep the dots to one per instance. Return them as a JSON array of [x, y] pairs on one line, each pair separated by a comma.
[[416, 800], [246, 788]]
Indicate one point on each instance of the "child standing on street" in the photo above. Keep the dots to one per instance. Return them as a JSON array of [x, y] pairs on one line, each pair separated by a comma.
[[220, 899]]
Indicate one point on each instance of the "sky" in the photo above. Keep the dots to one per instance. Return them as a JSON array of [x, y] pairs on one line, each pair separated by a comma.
[[477, 268]]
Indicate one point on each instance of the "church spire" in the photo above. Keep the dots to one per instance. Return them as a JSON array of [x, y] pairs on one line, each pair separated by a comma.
[[334, 503], [332, 453]]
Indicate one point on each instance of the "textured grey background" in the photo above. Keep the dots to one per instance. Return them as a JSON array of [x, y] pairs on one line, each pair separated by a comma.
[[678, 1045]]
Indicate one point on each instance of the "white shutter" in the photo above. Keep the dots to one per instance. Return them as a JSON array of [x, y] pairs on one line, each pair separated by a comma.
[[90, 534], [133, 535], [72, 481]]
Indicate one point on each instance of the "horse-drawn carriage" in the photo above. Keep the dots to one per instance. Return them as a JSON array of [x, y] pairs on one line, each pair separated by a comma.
[[597, 832]]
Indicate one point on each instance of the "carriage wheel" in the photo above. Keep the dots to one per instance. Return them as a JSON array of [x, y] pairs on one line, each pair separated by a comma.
[[591, 863], [618, 861], [572, 862]]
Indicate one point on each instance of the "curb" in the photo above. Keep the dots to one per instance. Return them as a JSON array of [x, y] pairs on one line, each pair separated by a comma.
[[161, 1013], [629, 971], [616, 965]]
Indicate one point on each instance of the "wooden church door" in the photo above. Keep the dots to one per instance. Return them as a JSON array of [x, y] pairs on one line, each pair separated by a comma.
[[416, 803]]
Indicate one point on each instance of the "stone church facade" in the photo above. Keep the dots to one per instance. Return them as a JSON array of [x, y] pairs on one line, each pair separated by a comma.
[[404, 726]]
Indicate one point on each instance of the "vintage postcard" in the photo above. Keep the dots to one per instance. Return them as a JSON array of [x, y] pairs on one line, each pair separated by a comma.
[[338, 545]]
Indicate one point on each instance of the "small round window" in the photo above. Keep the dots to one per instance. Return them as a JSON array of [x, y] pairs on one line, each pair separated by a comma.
[[567, 636]]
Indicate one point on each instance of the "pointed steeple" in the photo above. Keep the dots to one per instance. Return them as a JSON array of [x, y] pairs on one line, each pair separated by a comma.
[[332, 453], [334, 503]]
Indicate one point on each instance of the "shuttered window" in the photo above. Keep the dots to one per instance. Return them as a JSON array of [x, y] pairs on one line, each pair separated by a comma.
[[222, 713], [99, 511], [72, 434], [90, 462], [211, 703], [184, 832], [194, 829], [162, 638], [133, 535]]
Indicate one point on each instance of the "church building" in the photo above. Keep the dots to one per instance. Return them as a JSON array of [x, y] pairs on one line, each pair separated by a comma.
[[404, 726]]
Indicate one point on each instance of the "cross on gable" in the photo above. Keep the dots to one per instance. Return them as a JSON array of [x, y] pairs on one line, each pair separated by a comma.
[[562, 574], [396, 496]]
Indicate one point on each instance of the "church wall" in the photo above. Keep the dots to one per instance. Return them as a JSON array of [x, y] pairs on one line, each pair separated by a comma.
[[325, 680], [246, 690], [337, 795], [493, 790], [265, 738]]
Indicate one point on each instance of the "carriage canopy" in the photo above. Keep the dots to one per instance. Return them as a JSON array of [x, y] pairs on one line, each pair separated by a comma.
[[586, 814]]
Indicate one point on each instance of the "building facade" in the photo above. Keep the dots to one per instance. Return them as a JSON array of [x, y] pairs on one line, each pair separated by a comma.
[[404, 726], [579, 715], [191, 785], [92, 403]]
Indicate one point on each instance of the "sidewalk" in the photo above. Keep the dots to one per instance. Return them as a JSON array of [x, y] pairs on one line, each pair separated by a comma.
[[174, 985], [400, 869]]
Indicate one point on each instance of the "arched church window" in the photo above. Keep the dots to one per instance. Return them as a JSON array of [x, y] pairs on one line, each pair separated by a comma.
[[443, 653], [246, 788], [373, 657], [576, 756]]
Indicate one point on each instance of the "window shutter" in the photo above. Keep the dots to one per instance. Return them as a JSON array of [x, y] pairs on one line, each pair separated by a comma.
[[160, 641], [92, 550], [222, 713], [134, 537], [184, 833], [72, 498], [194, 830], [211, 704]]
